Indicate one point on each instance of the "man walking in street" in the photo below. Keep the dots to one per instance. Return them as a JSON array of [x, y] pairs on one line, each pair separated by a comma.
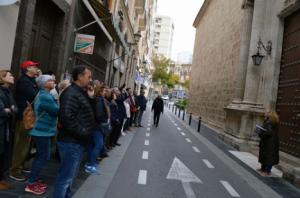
[[141, 103], [76, 124], [158, 108], [26, 90]]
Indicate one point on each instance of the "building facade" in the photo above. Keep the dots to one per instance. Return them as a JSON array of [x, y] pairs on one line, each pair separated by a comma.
[[163, 35], [230, 91]]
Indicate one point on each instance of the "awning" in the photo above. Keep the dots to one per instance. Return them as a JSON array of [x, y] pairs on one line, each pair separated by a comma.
[[106, 19]]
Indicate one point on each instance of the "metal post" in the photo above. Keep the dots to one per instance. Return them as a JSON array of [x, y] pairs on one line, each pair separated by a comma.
[[199, 124], [183, 114], [190, 119], [175, 110], [179, 113]]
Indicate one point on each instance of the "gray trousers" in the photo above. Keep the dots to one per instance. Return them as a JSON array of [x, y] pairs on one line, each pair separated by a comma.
[[139, 117]]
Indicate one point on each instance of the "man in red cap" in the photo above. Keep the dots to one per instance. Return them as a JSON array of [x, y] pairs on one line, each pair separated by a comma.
[[26, 90]]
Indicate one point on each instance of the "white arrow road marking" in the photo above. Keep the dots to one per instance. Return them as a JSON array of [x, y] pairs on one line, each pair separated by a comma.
[[148, 129], [178, 128], [182, 133], [147, 134], [145, 155], [196, 149], [188, 140], [147, 142], [142, 177], [179, 171], [230, 189], [207, 163]]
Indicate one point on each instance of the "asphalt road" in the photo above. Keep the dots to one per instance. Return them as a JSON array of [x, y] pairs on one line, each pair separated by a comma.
[[172, 162]]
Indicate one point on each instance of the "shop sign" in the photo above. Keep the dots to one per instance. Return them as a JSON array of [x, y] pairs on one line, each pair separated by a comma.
[[84, 43]]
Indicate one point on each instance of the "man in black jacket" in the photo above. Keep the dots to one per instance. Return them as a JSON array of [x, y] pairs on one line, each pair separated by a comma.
[[76, 124], [158, 108], [26, 90], [141, 103]]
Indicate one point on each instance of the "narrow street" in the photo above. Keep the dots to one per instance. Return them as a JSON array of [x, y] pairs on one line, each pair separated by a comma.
[[171, 162]]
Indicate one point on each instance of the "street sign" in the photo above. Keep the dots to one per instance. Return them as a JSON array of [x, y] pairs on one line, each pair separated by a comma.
[[179, 171], [84, 43]]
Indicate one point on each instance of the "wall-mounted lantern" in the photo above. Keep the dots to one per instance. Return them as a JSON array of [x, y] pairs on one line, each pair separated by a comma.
[[258, 57]]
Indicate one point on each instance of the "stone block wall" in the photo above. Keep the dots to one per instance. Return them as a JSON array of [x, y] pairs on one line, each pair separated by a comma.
[[215, 60]]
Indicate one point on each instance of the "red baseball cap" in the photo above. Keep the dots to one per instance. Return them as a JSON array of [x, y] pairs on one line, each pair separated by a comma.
[[28, 63]]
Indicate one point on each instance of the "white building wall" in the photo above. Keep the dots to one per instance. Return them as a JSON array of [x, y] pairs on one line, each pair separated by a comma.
[[8, 25]]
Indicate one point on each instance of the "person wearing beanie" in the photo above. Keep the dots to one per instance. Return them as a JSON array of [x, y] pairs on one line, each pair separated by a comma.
[[26, 90], [46, 113]]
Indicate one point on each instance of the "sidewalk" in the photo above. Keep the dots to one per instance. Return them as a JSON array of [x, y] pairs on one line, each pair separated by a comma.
[[246, 160]]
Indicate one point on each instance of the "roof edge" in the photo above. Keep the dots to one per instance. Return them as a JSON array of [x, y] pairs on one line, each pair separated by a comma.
[[201, 12]]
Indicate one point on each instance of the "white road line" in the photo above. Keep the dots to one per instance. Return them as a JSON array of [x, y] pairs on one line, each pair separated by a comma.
[[207, 163], [142, 177], [188, 140], [196, 149], [230, 189], [182, 133], [147, 134], [148, 129], [178, 128], [149, 124], [175, 124], [145, 155], [146, 142]]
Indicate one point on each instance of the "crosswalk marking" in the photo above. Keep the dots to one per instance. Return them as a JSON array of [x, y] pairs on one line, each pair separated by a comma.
[[182, 133], [230, 189], [147, 142], [147, 134], [178, 128], [142, 179]]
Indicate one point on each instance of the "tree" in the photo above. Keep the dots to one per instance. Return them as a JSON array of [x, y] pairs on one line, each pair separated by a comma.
[[161, 65]]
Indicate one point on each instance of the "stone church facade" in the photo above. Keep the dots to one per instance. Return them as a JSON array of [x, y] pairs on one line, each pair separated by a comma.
[[230, 92]]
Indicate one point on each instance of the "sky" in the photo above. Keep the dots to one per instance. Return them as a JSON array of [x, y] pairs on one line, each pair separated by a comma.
[[183, 14]]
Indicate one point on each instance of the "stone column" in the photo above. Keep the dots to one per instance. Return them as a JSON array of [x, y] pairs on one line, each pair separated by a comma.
[[244, 53], [254, 72]]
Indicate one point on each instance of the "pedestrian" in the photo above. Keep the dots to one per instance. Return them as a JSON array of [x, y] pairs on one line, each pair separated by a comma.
[[96, 144], [76, 125], [269, 143], [158, 108], [141, 103], [132, 107], [115, 120], [7, 111], [127, 119], [46, 112], [26, 90]]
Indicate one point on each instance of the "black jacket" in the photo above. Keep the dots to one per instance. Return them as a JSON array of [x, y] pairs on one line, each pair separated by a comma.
[[158, 105], [269, 144], [76, 116], [141, 102], [6, 119], [100, 111], [26, 90]]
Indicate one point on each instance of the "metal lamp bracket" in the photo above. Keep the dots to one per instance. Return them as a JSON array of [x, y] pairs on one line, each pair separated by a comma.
[[267, 48]]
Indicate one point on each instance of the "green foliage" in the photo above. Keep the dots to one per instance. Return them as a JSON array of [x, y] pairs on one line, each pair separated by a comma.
[[182, 103], [186, 84]]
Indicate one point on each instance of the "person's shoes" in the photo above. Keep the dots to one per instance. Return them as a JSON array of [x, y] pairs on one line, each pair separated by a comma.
[[141, 126], [92, 170], [104, 155], [34, 189], [26, 170], [118, 144], [263, 173], [129, 129], [41, 184], [4, 185], [156, 125], [17, 177], [123, 133]]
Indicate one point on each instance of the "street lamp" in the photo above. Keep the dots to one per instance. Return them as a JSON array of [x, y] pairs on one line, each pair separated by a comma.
[[257, 58]]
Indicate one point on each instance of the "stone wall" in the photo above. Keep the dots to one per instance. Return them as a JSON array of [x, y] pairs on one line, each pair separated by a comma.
[[216, 59]]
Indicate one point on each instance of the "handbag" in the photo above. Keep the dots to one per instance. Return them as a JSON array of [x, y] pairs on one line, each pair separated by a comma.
[[259, 130], [105, 128], [28, 115]]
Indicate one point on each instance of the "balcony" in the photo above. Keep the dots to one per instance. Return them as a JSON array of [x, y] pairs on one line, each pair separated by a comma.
[[140, 6]]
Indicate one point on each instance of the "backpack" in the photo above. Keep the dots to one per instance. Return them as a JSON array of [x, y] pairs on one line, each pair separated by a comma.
[[28, 117]]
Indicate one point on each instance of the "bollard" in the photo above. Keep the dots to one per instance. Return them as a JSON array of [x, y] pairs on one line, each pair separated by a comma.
[[199, 124], [179, 113], [183, 115], [173, 108], [190, 119]]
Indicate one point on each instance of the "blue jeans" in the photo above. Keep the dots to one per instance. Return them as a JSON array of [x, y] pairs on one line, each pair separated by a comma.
[[95, 147], [70, 155], [43, 148]]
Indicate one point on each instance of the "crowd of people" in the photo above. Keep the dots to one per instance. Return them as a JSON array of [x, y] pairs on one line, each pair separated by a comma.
[[71, 117]]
